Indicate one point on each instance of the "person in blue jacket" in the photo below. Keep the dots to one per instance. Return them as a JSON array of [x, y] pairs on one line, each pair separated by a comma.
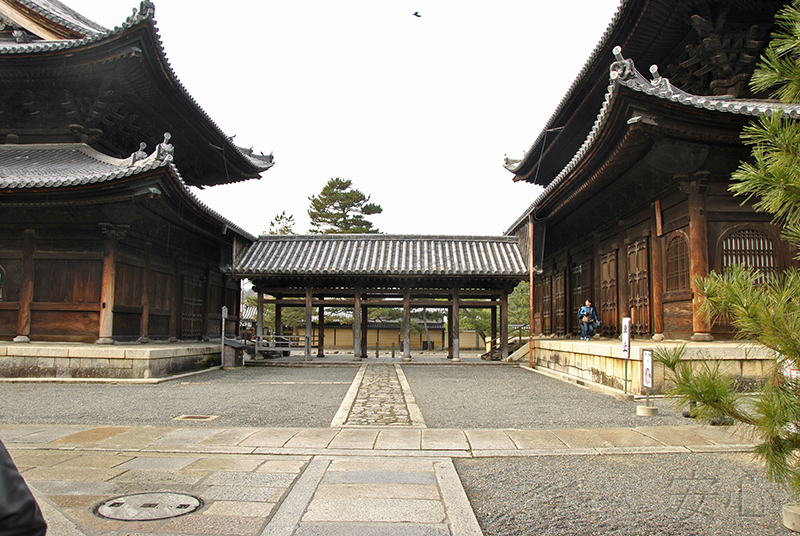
[[587, 318]]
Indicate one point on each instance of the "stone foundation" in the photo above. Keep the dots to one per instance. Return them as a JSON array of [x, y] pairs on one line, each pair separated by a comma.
[[126, 361], [601, 361]]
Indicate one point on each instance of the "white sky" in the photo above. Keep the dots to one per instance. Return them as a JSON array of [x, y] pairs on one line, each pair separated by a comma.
[[417, 112]]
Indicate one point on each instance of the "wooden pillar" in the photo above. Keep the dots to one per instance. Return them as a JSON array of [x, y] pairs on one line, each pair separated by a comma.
[[26, 290], [364, 332], [657, 265], [407, 325], [623, 279], [357, 324], [504, 325], [259, 314], [493, 310], [207, 305], [175, 300], [113, 234], [144, 324], [321, 335], [698, 238], [309, 323], [454, 329], [450, 332], [278, 320], [531, 313]]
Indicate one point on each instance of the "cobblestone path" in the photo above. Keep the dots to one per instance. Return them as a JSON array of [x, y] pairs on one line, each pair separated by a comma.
[[380, 400]]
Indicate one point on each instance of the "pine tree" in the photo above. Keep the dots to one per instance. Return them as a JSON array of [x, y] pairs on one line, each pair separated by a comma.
[[282, 224], [760, 306], [339, 208]]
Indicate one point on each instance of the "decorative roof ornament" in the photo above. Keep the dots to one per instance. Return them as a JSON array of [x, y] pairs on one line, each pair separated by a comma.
[[165, 149], [141, 154], [20, 36]]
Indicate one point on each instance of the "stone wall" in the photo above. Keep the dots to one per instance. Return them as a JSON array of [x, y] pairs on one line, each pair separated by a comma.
[[601, 361], [134, 361]]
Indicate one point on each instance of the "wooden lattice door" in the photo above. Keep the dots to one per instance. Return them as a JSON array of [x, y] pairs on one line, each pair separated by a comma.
[[581, 290], [608, 293], [559, 304], [192, 308], [547, 306], [639, 286]]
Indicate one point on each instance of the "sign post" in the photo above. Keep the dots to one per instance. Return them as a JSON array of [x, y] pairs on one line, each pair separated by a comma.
[[647, 382], [626, 346]]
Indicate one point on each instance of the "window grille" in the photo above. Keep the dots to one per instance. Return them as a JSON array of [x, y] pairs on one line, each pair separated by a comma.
[[678, 264], [749, 247]]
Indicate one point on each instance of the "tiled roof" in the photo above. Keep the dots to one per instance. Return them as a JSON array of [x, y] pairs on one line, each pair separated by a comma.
[[258, 162], [57, 165], [382, 255], [75, 164], [623, 73], [64, 16]]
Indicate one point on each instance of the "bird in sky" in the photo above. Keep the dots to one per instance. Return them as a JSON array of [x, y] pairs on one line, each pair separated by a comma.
[[416, 14]]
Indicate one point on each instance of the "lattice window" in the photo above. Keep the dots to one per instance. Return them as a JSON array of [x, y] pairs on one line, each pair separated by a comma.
[[749, 247], [678, 264]]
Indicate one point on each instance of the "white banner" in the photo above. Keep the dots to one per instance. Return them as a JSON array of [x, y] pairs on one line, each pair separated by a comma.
[[647, 368], [626, 338]]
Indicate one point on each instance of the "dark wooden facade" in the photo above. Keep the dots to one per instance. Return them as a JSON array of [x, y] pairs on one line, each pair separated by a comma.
[[636, 174], [97, 245]]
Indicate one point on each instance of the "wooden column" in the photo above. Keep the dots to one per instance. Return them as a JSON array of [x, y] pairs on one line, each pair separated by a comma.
[[207, 305], [357, 324], [450, 332], [113, 234], [26, 290], [321, 336], [144, 324], [454, 329], [259, 314], [407, 325], [504, 325], [309, 323], [278, 320], [364, 332], [623, 282], [698, 238], [531, 313], [493, 310], [658, 275], [175, 300]]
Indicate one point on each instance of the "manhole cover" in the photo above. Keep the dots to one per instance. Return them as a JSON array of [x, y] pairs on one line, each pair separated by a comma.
[[148, 506]]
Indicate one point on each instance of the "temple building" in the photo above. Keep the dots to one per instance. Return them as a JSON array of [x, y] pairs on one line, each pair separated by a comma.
[[636, 169], [101, 238]]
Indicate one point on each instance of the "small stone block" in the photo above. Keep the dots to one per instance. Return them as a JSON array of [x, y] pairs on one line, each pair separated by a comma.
[[646, 411]]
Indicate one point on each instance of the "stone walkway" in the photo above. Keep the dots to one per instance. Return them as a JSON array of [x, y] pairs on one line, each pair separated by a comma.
[[377, 470]]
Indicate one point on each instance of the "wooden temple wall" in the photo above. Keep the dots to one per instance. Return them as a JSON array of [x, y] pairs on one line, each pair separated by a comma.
[[157, 293], [641, 267]]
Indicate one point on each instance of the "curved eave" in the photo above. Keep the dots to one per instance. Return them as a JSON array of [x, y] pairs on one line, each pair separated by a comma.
[[601, 142], [48, 191], [58, 18], [238, 163], [648, 30]]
